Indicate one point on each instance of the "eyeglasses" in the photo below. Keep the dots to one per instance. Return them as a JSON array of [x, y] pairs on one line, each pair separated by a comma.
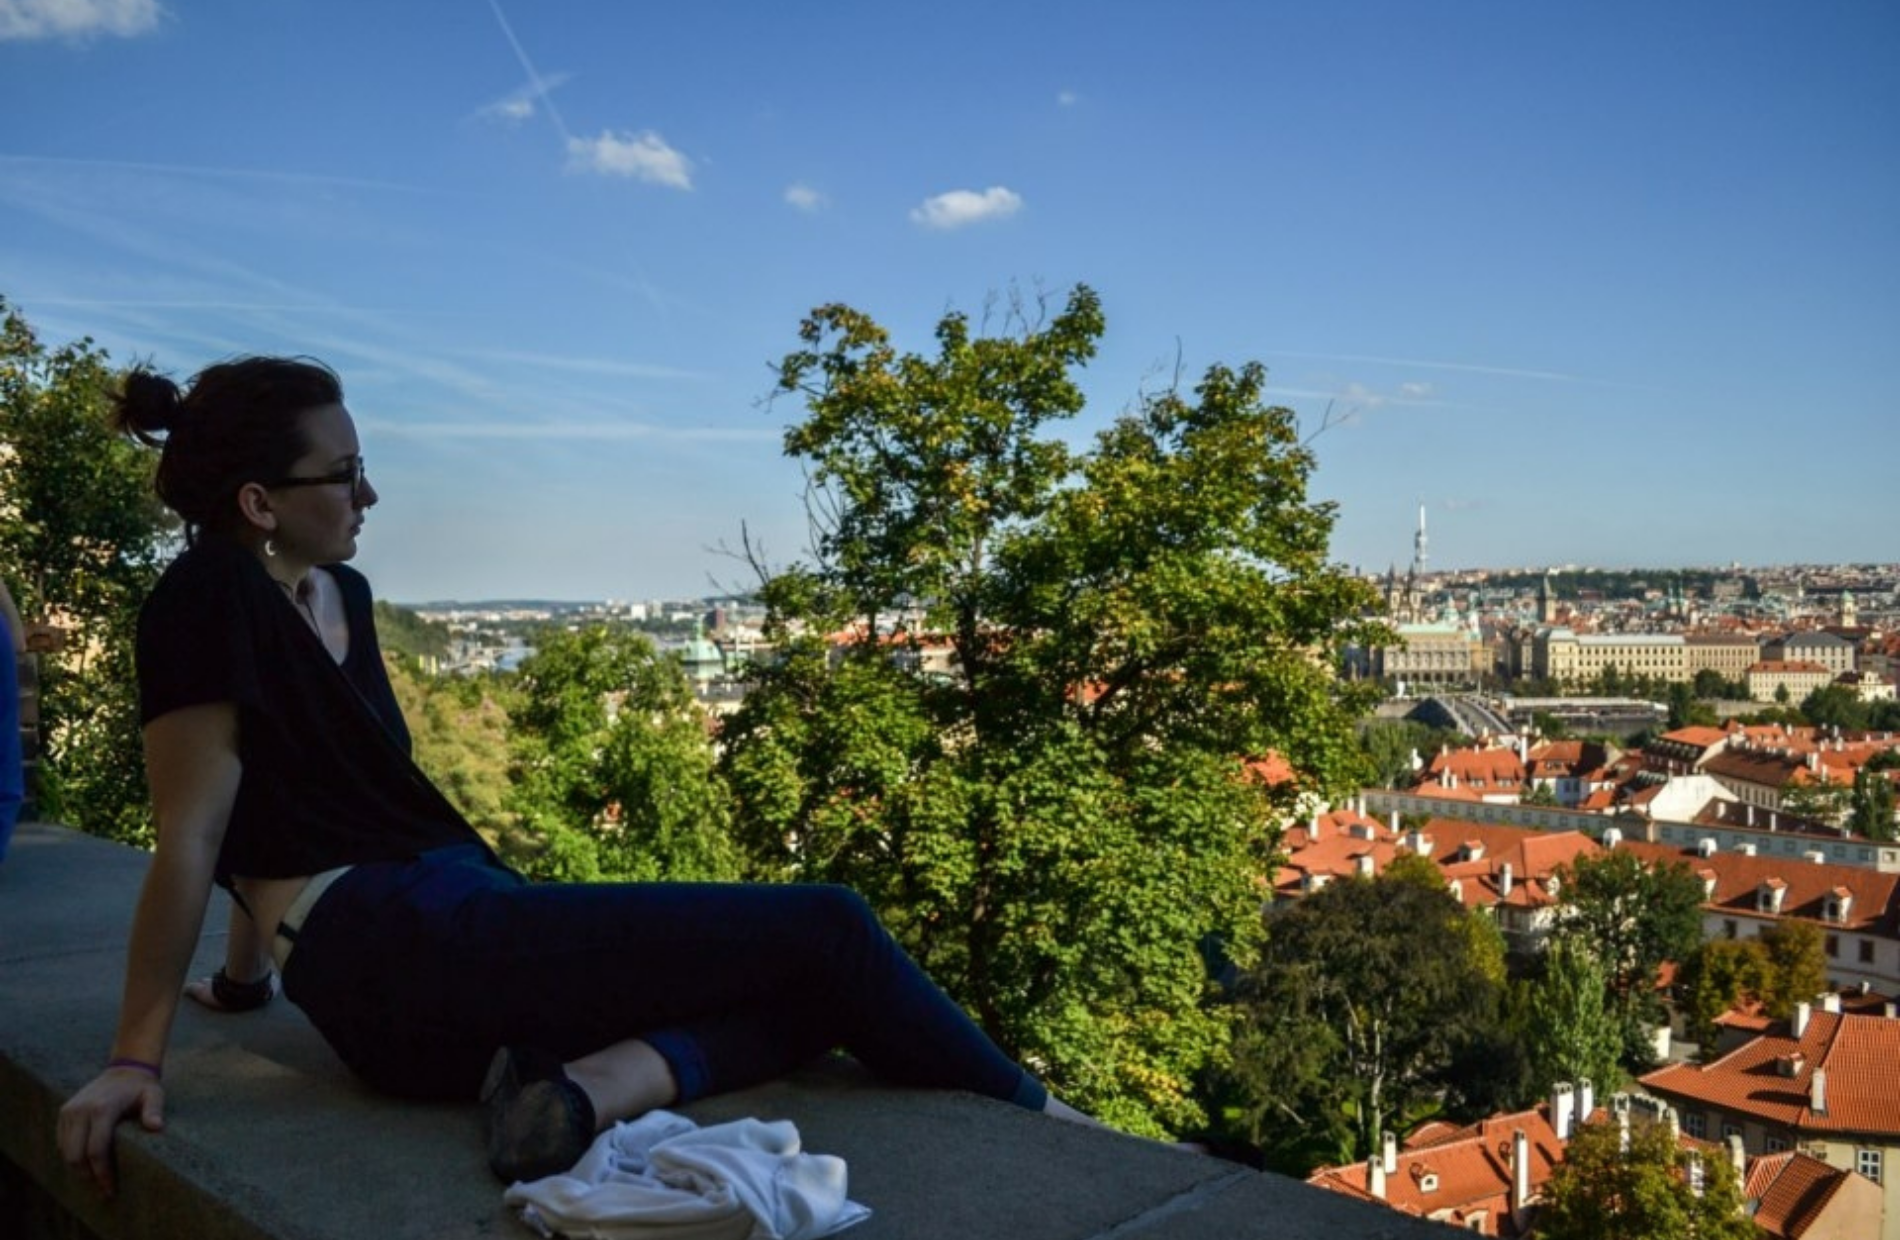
[[353, 475]]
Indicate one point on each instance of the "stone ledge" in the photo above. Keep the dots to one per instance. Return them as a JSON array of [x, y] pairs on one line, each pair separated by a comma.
[[269, 1138]]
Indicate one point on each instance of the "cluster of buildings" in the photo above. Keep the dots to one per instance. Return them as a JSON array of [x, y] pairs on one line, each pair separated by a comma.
[[1808, 1110], [1773, 637]]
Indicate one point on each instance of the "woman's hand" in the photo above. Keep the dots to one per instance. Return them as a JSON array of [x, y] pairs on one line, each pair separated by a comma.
[[87, 1120]]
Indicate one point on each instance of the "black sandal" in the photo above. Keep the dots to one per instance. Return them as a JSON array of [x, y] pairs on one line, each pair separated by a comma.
[[539, 1121], [242, 996]]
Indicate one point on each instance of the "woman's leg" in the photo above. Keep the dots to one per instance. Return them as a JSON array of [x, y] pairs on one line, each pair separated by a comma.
[[729, 984]]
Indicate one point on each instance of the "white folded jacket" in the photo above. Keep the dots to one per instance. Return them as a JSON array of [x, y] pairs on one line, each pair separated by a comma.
[[664, 1176]]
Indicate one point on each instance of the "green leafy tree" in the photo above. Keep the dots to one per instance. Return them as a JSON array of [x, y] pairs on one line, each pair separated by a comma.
[[615, 773], [83, 537], [1391, 744], [1365, 995], [1541, 794], [1871, 806], [1836, 706], [1550, 726], [1055, 819], [459, 726], [1634, 918], [1654, 1190], [1829, 802], [1685, 711], [1571, 1031], [1795, 965], [1721, 973]]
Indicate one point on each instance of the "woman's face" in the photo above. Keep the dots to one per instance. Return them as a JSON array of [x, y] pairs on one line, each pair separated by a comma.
[[320, 504]]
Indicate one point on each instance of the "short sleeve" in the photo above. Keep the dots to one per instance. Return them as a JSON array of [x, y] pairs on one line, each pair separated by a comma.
[[196, 637]]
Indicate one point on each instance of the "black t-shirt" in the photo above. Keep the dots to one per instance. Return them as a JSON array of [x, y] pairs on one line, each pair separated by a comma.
[[327, 779]]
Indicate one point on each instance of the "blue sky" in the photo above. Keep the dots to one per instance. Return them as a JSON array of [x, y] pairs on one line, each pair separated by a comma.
[[1604, 284]]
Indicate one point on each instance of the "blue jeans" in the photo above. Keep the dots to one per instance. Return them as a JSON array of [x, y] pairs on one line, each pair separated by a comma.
[[417, 971]]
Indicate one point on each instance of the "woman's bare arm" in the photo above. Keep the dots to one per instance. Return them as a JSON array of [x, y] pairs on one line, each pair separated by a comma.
[[191, 760]]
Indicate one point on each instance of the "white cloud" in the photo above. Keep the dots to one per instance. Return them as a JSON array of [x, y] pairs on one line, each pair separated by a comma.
[[521, 104], [1415, 391], [74, 19], [965, 206], [805, 198], [643, 156], [1066, 98]]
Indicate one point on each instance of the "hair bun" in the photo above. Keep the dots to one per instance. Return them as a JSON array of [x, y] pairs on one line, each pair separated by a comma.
[[149, 405]]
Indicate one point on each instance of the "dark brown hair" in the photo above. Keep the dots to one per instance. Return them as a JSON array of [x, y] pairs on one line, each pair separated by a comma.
[[233, 423]]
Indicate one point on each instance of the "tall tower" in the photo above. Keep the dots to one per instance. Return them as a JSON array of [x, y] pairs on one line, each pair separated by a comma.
[[1418, 545]]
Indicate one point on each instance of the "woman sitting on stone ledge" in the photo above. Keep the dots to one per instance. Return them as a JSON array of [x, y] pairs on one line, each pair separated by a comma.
[[279, 766]]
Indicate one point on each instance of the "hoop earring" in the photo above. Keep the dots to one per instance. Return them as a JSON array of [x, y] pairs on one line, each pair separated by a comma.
[[270, 547]]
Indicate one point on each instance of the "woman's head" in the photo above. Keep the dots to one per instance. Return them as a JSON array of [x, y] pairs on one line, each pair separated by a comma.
[[234, 424]]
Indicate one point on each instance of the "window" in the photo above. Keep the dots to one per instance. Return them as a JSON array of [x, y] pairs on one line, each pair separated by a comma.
[[1866, 951], [1867, 1162], [1833, 946], [1775, 1145], [1730, 1130], [1695, 1125], [1728, 927]]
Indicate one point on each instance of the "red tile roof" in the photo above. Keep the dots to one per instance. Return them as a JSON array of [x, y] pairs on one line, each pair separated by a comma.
[[1806, 886], [1856, 1052], [1472, 1166], [1696, 737], [1792, 1189], [1492, 770]]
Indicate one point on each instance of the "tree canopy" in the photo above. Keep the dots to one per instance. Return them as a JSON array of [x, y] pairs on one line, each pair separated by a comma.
[[1633, 918], [1366, 994], [1018, 682], [82, 539], [1653, 1190], [614, 776], [1571, 1030]]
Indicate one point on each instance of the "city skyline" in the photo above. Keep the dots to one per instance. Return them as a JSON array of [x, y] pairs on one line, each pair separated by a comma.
[[1606, 287]]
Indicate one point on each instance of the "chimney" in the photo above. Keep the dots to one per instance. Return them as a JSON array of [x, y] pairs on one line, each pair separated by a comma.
[[1520, 1173], [1817, 1091], [1375, 1177], [1389, 1152], [1830, 1002], [1312, 830], [1395, 822], [1586, 1101], [1563, 1109], [1798, 1028], [1890, 1010], [1504, 879], [1737, 1157]]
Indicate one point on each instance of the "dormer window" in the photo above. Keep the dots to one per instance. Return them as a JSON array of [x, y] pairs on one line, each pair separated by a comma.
[[1768, 896], [1838, 906]]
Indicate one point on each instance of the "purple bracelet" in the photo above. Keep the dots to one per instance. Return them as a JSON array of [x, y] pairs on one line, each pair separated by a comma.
[[140, 1064]]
